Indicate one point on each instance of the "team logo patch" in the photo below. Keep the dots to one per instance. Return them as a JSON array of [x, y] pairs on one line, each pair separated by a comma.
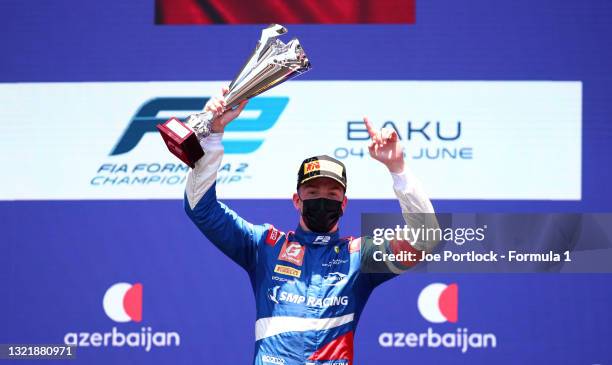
[[287, 270], [292, 252], [273, 236]]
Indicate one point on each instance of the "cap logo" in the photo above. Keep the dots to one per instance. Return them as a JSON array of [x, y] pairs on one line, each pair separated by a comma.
[[326, 165], [312, 166]]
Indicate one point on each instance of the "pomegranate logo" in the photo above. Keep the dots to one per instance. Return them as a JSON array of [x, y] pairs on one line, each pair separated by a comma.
[[438, 302], [123, 302]]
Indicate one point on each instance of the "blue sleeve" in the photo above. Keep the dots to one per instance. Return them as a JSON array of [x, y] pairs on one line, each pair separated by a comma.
[[234, 236]]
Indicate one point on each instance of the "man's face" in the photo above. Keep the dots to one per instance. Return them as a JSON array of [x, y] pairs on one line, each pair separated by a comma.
[[322, 187]]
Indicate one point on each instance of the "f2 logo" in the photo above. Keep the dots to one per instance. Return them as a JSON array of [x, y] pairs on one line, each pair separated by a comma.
[[269, 110]]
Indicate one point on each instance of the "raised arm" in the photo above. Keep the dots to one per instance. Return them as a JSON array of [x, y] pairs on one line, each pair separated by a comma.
[[416, 207], [233, 235], [384, 147]]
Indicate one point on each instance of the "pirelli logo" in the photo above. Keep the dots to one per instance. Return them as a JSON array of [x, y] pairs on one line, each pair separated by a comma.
[[312, 166], [287, 270], [323, 165]]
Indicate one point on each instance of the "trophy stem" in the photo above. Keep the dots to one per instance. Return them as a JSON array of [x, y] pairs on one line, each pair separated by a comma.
[[201, 124]]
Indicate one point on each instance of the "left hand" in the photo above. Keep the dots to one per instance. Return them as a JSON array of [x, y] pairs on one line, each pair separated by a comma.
[[385, 148]]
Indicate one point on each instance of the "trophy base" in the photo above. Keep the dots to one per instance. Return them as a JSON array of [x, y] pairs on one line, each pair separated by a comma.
[[181, 141]]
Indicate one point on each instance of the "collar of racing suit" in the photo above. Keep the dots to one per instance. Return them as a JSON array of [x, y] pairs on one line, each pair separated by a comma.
[[315, 238]]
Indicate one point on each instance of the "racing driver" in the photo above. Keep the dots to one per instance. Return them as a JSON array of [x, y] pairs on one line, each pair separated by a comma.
[[309, 284]]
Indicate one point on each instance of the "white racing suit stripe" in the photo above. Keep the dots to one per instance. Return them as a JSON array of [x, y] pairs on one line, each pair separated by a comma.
[[270, 326]]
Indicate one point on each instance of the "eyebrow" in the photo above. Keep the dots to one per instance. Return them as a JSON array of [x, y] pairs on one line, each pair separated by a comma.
[[317, 187]]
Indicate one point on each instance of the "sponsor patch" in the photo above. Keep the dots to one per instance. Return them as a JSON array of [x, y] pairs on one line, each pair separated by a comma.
[[334, 262], [283, 280], [273, 236], [312, 166], [278, 296], [287, 270], [272, 360], [334, 278], [325, 165], [292, 252]]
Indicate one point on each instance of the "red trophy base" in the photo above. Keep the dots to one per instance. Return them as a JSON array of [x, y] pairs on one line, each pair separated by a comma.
[[181, 141]]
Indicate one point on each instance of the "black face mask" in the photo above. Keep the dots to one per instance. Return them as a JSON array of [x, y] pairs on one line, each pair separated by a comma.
[[321, 214]]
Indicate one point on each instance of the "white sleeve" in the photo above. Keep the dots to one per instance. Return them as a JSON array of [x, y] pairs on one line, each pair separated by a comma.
[[204, 174], [413, 201], [412, 197]]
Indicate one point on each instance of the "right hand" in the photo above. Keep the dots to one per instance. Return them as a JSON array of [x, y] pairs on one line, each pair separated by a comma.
[[385, 147], [223, 117]]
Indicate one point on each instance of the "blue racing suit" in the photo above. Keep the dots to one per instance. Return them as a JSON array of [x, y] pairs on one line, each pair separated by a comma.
[[308, 287]]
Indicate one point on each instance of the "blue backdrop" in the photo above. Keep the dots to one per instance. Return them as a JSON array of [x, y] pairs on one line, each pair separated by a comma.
[[58, 258]]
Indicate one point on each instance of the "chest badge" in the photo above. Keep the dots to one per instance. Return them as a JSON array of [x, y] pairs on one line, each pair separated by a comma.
[[292, 252]]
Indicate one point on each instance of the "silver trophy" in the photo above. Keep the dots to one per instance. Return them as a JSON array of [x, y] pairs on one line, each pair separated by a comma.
[[272, 63]]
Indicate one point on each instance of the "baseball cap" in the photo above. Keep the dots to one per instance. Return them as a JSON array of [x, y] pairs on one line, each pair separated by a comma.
[[321, 166]]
